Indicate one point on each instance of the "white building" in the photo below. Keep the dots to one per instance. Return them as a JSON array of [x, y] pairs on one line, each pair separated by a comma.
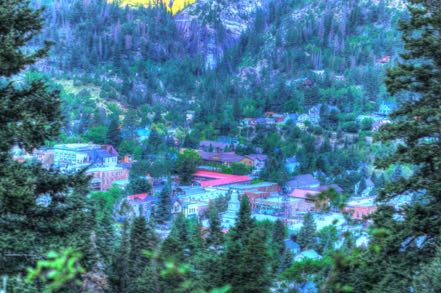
[[76, 156], [229, 217]]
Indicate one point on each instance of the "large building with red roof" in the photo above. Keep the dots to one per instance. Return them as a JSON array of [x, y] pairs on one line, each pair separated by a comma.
[[213, 179]]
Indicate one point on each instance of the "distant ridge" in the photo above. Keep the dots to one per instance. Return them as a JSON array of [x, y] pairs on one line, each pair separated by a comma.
[[173, 6]]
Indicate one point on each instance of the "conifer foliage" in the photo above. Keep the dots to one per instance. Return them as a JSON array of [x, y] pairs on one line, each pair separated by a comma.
[[406, 238], [39, 209], [306, 236]]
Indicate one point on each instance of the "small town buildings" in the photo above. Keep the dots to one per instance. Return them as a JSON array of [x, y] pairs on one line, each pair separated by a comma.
[[136, 205], [213, 179], [198, 193], [225, 159], [194, 208], [248, 122], [45, 156], [277, 205], [291, 118], [308, 197], [292, 164], [72, 157], [303, 181], [307, 254], [321, 220], [256, 161], [361, 208], [229, 217], [142, 134], [256, 191], [294, 247], [314, 114], [104, 177]]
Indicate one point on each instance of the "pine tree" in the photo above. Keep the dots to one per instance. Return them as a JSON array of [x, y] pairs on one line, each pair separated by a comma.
[[396, 254], [181, 229], [154, 141], [163, 211], [215, 235], [245, 248], [196, 240], [244, 222], [427, 279], [105, 237], [186, 165], [279, 235], [275, 170], [142, 239], [286, 261], [237, 111], [149, 280], [114, 133], [40, 210], [138, 185], [306, 236], [119, 276], [397, 174], [253, 271]]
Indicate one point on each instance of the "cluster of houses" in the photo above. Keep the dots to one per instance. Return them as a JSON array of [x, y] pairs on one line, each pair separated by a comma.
[[101, 162], [270, 119], [215, 153], [267, 199]]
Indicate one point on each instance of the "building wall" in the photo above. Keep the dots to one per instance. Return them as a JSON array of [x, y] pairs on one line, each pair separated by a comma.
[[359, 212], [300, 206], [247, 162], [107, 177], [252, 196]]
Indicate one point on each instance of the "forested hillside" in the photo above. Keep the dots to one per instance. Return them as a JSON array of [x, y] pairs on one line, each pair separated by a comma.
[[227, 62], [304, 52]]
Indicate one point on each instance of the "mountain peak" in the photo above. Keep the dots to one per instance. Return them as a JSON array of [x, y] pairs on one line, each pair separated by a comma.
[[173, 6]]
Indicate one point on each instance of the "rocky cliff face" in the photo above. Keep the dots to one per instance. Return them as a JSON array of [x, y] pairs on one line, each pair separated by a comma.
[[210, 27]]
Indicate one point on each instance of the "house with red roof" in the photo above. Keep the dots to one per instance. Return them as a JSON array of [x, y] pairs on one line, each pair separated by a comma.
[[308, 195], [213, 179], [141, 196]]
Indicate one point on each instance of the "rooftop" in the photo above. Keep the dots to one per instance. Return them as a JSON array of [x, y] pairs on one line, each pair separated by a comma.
[[214, 144], [258, 157], [141, 196], [253, 186], [104, 169], [230, 157], [302, 181], [365, 202], [218, 179], [77, 147]]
